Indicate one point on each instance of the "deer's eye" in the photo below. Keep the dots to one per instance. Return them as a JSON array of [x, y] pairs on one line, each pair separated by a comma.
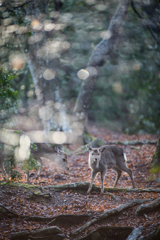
[[64, 160]]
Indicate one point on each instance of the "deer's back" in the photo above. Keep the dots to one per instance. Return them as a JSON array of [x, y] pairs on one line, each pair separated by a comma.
[[42, 150], [112, 156]]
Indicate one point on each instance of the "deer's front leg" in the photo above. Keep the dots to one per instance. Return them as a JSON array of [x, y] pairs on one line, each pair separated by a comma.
[[102, 181], [40, 169], [27, 175], [4, 172], [93, 177]]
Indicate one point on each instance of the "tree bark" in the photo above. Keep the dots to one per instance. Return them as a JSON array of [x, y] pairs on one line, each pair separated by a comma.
[[149, 207], [134, 142], [45, 233], [156, 156], [108, 213], [97, 59], [135, 234], [83, 186]]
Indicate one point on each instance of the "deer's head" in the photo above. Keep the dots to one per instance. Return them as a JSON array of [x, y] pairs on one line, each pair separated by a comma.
[[95, 155]]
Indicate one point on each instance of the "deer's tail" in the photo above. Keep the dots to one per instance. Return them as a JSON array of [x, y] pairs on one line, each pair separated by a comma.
[[125, 158]]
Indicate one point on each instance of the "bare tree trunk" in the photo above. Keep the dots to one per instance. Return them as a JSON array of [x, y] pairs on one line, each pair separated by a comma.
[[97, 59], [156, 155]]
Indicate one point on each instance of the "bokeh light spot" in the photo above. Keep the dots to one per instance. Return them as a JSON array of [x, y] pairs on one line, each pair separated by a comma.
[[59, 137], [17, 61], [36, 25], [49, 74], [117, 87], [106, 34], [83, 74]]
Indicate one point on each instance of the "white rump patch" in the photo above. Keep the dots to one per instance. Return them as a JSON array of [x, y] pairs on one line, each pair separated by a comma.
[[125, 157]]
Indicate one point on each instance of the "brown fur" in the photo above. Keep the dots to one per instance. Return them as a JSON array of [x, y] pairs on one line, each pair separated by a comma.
[[107, 157]]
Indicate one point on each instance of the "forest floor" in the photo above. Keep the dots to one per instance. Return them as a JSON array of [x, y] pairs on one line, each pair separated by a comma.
[[17, 201]]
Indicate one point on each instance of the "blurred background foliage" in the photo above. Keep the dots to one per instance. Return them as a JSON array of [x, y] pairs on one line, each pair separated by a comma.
[[127, 93]]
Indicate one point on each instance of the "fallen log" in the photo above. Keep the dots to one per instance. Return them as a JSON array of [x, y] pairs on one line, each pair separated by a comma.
[[62, 218], [5, 211], [45, 233], [149, 207], [108, 213], [83, 186], [45, 197], [98, 142], [142, 142]]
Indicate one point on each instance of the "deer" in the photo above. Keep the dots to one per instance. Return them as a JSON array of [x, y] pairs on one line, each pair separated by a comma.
[[43, 151], [2, 159], [107, 157], [52, 153]]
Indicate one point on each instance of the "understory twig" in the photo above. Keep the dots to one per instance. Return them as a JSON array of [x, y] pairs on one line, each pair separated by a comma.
[[108, 213]]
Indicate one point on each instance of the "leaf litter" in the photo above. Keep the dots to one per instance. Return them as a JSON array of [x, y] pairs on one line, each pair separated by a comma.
[[71, 202]]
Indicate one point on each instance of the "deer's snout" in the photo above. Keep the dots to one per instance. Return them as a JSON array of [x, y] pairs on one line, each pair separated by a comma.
[[95, 159]]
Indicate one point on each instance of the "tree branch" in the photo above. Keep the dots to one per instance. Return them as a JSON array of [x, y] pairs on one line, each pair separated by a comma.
[[97, 59], [145, 208], [107, 214], [83, 186], [45, 233], [132, 142], [149, 28]]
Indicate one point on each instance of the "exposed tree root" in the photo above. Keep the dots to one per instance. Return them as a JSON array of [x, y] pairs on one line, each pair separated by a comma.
[[107, 232], [135, 234], [83, 186], [5, 211], [107, 214], [149, 207], [132, 142], [69, 219], [46, 197], [110, 194], [96, 142], [45, 234]]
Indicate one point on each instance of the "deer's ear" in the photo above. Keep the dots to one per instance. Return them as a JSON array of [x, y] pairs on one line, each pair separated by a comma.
[[102, 149], [57, 150], [89, 148]]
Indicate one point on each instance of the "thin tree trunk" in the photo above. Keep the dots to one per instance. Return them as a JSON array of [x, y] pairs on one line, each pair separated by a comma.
[[156, 156], [97, 59]]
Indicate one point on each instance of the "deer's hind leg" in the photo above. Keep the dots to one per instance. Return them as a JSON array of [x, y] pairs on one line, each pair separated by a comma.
[[40, 169], [118, 176], [103, 173], [124, 168], [4, 172], [93, 177]]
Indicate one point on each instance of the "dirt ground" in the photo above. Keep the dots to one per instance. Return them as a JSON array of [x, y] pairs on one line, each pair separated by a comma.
[[20, 200]]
